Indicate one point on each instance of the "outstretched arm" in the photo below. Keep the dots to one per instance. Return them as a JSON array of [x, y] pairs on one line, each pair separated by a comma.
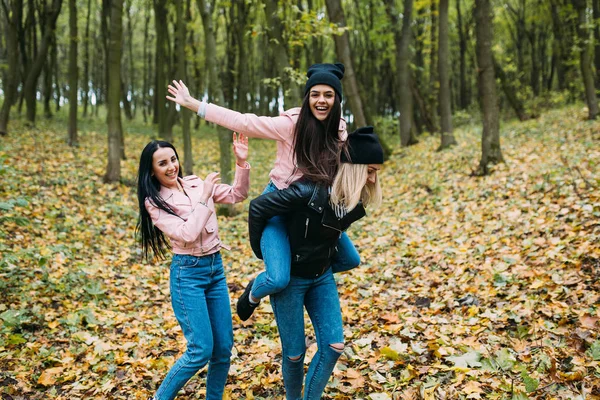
[[180, 94], [251, 125]]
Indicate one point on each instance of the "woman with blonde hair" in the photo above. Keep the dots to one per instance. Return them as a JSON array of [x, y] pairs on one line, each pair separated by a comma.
[[316, 217]]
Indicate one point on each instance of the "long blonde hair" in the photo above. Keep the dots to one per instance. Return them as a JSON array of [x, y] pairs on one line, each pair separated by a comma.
[[350, 186]]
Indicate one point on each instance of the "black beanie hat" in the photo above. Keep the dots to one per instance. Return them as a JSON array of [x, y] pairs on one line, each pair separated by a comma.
[[325, 74], [363, 147]]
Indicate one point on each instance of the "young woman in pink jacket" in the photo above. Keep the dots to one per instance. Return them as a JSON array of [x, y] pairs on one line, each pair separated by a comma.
[[308, 144], [183, 210]]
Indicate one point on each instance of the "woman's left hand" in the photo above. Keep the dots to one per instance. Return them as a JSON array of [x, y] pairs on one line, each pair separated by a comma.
[[240, 149]]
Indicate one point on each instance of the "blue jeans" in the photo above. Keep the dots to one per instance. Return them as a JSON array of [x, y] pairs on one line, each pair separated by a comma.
[[275, 247], [200, 301], [320, 297]]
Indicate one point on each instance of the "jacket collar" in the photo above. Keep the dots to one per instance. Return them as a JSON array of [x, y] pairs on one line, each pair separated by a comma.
[[319, 198], [166, 193]]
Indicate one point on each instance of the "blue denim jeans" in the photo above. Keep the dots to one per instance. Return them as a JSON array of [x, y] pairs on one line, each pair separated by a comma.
[[200, 301], [275, 247], [320, 297]]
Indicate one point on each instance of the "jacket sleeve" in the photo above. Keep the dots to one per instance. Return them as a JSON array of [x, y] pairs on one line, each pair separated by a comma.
[[177, 228], [275, 128], [237, 191], [268, 205]]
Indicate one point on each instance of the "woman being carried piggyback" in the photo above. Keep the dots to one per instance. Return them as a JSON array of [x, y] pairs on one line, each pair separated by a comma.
[[316, 215], [308, 144], [182, 209]]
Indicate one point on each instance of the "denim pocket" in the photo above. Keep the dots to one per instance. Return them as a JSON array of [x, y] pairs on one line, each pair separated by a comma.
[[184, 261]]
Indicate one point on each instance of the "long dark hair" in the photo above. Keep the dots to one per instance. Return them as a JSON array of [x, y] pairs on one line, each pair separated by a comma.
[[148, 187], [316, 143]]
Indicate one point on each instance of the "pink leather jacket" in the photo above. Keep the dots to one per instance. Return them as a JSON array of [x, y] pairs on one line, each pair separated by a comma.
[[281, 129], [196, 232]]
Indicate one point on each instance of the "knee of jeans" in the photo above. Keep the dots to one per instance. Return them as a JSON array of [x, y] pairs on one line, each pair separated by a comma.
[[296, 358], [337, 347], [355, 260], [222, 353], [279, 283], [198, 357]]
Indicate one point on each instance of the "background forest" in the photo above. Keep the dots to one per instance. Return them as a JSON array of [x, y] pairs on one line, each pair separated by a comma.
[[480, 272]]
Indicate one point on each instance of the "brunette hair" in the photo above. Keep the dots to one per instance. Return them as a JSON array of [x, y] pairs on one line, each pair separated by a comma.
[[317, 143], [148, 188]]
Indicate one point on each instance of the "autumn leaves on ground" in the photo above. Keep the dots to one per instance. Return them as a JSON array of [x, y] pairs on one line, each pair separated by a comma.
[[470, 287]]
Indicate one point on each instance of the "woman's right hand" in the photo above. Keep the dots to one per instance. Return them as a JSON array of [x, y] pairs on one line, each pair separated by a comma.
[[181, 95], [209, 184]]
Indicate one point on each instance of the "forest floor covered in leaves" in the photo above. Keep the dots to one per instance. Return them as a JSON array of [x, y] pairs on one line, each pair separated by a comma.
[[470, 288]]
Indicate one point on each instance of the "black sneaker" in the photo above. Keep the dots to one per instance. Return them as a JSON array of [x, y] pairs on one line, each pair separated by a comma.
[[244, 308]]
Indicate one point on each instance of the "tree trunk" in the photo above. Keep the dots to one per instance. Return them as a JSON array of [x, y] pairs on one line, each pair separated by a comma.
[[242, 48], [490, 141], [215, 89], [462, 43], [188, 161], [596, 15], [73, 71], [585, 59], [55, 72], [423, 111], [48, 76], [30, 86], [146, 68], [13, 16], [402, 38], [511, 93], [115, 132], [448, 139], [342, 46], [433, 64], [131, 75], [86, 61], [291, 91], [160, 83]]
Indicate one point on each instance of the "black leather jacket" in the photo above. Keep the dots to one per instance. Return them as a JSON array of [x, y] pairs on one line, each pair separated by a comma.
[[312, 225]]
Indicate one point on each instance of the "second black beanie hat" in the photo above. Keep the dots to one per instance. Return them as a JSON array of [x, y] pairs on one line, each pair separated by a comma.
[[325, 74], [363, 147]]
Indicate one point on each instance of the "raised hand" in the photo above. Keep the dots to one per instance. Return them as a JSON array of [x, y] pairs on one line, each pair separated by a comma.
[[209, 184], [180, 94], [240, 149]]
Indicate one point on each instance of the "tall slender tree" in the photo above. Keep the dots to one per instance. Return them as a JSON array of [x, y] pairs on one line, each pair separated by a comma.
[[188, 161], [402, 38], [115, 130], [73, 72], [486, 79], [281, 55], [51, 12], [161, 61], [12, 11], [462, 43], [585, 59], [216, 90], [444, 75], [344, 54], [85, 86]]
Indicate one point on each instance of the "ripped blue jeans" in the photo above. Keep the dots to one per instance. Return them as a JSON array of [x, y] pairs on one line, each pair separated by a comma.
[[320, 297]]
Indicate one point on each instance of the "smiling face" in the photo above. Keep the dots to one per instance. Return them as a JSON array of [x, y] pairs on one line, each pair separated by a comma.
[[321, 101], [165, 167]]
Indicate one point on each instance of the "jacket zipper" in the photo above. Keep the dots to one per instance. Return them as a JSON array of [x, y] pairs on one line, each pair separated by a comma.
[[306, 230], [335, 229]]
